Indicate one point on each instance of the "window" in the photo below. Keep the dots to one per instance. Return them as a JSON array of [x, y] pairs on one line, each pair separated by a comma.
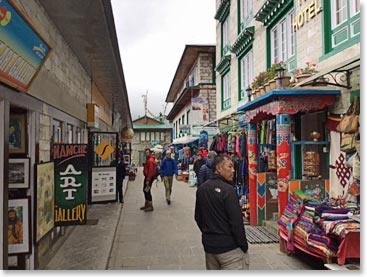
[[246, 73], [57, 131], [183, 119], [78, 135], [70, 133], [162, 136], [226, 86], [147, 136], [345, 23], [245, 13], [142, 136], [225, 36], [283, 40], [188, 117]]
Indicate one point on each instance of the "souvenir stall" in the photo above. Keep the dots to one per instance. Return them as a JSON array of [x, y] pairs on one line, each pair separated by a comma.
[[281, 110], [309, 219], [183, 154]]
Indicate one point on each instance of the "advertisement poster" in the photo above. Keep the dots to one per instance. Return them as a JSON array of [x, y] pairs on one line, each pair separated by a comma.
[[45, 199], [103, 184], [71, 183], [200, 111], [22, 50]]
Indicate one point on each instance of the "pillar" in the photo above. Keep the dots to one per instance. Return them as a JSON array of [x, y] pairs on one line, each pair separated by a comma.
[[283, 128], [252, 170]]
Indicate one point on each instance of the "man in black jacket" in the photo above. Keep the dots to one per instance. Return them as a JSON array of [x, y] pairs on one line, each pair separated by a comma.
[[219, 217]]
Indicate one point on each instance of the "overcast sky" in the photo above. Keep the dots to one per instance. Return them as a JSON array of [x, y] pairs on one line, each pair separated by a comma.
[[152, 35]]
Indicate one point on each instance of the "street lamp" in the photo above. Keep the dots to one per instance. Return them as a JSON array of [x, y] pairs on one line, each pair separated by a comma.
[[280, 73], [248, 93]]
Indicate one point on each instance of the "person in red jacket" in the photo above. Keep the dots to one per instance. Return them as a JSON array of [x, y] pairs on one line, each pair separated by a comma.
[[150, 168]]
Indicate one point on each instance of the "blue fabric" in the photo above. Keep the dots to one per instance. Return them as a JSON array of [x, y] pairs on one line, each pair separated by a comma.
[[168, 167], [205, 172]]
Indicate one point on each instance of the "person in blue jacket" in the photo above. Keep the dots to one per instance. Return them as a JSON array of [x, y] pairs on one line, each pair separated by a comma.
[[167, 170]]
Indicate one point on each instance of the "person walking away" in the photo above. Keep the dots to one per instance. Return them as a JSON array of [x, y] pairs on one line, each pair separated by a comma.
[[206, 171], [198, 163], [168, 169], [149, 172], [219, 217], [120, 176]]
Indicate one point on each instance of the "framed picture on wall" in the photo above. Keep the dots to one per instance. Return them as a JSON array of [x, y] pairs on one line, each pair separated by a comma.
[[19, 235], [19, 173], [18, 133], [45, 199]]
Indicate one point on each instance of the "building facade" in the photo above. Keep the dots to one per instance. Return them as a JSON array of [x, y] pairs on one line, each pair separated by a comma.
[[192, 93], [149, 133], [318, 37], [61, 78], [252, 35]]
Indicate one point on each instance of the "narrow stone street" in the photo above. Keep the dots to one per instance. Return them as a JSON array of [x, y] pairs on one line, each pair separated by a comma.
[[125, 238]]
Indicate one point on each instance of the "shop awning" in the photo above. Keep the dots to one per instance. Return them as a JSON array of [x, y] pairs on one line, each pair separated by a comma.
[[288, 102], [184, 140]]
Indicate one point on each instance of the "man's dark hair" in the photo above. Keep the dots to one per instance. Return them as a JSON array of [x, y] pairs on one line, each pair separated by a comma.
[[219, 160], [148, 150]]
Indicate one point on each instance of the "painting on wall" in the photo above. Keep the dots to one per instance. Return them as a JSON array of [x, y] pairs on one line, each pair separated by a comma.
[[19, 173], [45, 199], [19, 236], [17, 134]]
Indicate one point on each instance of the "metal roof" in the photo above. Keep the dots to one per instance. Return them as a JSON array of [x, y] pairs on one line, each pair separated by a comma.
[[89, 29]]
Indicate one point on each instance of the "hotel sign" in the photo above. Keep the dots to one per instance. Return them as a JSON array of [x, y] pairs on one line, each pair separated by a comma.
[[22, 49], [308, 12]]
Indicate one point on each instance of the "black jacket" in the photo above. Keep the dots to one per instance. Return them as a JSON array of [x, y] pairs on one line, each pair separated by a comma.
[[197, 165], [219, 216]]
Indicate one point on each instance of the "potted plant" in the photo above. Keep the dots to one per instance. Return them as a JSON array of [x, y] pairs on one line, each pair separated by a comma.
[[301, 74], [262, 79]]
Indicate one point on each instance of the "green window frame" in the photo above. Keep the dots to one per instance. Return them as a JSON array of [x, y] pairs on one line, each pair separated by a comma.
[[245, 14], [245, 77], [282, 41], [226, 90], [341, 25], [225, 38]]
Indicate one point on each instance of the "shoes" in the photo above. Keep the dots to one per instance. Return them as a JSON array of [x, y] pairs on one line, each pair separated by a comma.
[[122, 202], [145, 206], [168, 202], [149, 207]]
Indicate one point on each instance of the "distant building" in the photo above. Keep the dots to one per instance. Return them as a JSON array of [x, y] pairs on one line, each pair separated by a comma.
[[193, 94], [148, 133]]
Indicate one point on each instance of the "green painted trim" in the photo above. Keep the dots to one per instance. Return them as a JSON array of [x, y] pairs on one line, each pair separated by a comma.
[[223, 10], [224, 65], [222, 91], [243, 53], [342, 47], [354, 93]]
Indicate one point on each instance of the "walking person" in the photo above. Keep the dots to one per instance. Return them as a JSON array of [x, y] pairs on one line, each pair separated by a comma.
[[120, 176], [219, 218], [206, 171], [149, 172], [168, 169]]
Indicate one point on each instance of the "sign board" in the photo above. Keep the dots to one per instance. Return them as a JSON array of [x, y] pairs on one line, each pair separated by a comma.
[[199, 114], [195, 131], [22, 50], [103, 184], [71, 183], [104, 150]]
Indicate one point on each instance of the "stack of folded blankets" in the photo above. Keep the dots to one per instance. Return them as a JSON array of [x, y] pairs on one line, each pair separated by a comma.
[[317, 226]]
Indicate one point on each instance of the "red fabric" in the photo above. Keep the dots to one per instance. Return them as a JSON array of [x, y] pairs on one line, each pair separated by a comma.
[[150, 168], [349, 247]]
